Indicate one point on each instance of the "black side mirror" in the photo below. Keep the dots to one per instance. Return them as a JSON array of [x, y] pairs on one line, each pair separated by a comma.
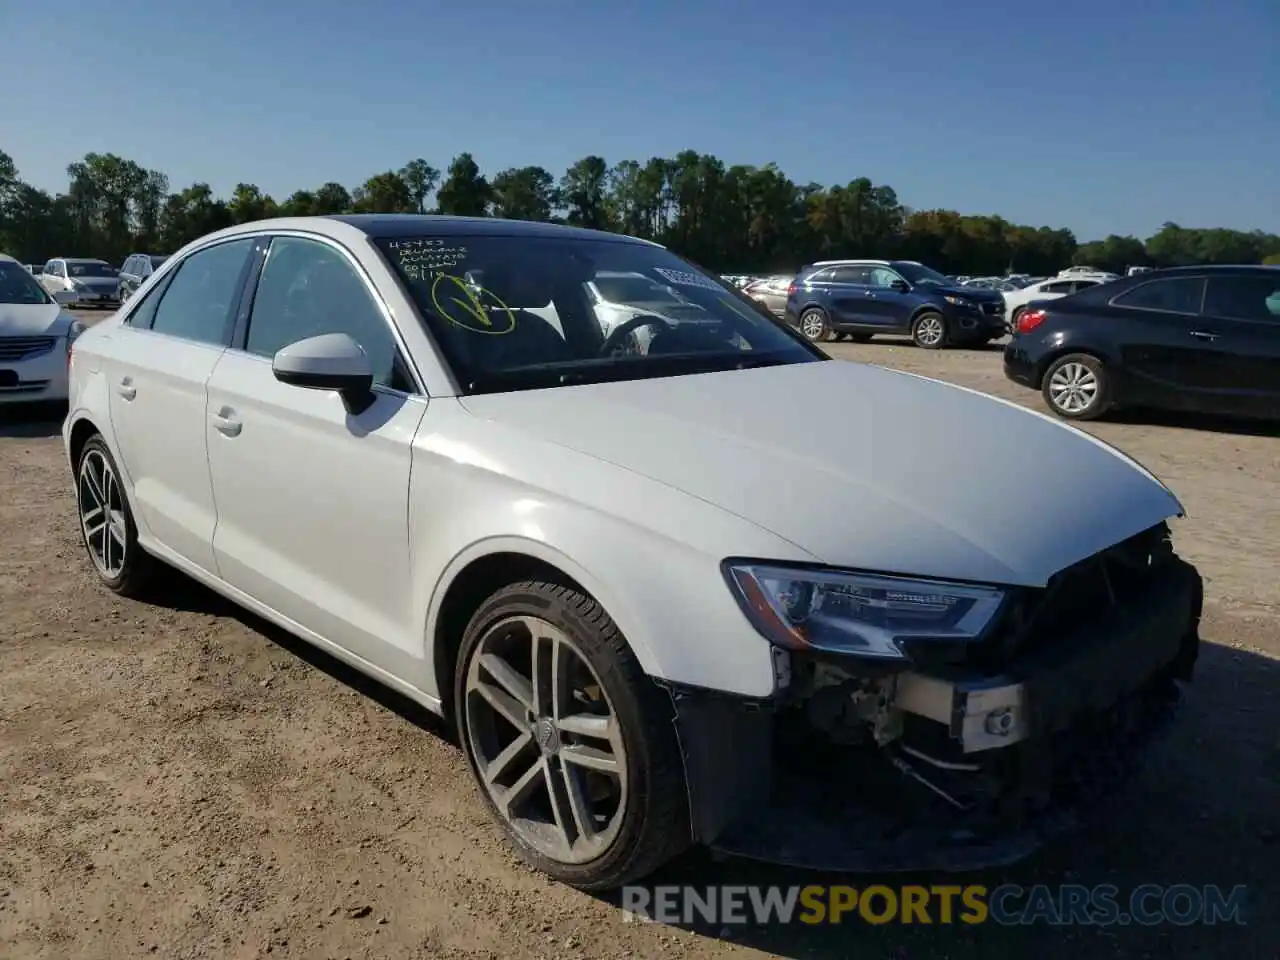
[[899, 285]]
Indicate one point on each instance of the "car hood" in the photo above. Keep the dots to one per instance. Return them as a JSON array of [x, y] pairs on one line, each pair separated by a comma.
[[862, 467], [33, 320]]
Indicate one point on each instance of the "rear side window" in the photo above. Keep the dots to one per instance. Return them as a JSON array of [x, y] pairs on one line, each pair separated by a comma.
[[1173, 295], [198, 302], [1243, 298], [1063, 286], [851, 275]]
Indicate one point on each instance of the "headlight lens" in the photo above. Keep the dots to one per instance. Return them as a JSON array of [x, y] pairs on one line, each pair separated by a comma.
[[957, 301], [859, 614]]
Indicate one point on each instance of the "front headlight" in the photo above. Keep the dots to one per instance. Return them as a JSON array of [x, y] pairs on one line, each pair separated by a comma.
[[859, 614], [958, 301]]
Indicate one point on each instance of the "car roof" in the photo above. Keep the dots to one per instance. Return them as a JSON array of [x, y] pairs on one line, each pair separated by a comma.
[[835, 263], [8, 259], [80, 260], [385, 225]]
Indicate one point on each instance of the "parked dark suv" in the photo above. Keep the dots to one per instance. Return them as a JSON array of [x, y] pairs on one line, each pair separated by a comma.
[[860, 298], [135, 271]]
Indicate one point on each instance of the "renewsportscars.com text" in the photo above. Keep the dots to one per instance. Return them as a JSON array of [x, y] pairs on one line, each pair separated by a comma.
[[1006, 905]]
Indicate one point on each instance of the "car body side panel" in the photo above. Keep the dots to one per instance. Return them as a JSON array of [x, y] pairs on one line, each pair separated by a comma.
[[648, 553]]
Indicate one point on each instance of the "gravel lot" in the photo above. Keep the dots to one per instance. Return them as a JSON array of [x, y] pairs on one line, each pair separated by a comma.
[[185, 781]]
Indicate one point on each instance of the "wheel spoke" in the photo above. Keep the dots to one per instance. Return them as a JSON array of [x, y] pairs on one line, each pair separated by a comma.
[[586, 725], [561, 807], [519, 791], [580, 809], [507, 706], [510, 680], [499, 764], [591, 758]]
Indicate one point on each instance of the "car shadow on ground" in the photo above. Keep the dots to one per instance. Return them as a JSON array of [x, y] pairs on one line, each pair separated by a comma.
[[1205, 809], [1195, 421], [32, 421]]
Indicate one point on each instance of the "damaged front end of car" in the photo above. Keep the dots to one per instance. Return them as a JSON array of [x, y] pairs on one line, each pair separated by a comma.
[[922, 725]]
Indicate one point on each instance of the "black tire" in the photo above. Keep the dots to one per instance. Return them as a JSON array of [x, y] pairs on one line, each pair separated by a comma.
[[1055, 396], [139, 571], [817, 322], [860, 337], [655, 825], [924, 330]]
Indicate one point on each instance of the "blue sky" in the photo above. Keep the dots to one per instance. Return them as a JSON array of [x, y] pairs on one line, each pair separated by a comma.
[[1100, 116]]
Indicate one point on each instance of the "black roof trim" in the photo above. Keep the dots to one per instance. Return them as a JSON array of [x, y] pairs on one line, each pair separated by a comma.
[[386, 225]]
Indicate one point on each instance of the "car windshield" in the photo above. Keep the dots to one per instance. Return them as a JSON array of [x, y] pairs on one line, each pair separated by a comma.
[[633, 288], [514, 313], [18, 286], [90, 269], [918, 273]]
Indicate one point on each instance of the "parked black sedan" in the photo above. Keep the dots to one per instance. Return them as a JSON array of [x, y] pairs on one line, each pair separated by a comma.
[[1204, 339]]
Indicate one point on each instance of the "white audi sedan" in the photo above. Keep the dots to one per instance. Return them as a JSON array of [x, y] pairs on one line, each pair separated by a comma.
[[662, 602], [35, 337]]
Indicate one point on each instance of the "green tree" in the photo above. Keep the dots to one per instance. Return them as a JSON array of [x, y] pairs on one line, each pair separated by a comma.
[[421, 178], [384, 193], [524, 193], [465, 192], [582, 189]]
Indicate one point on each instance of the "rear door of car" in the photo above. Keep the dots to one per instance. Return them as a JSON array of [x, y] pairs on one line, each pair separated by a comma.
[[849, 296], [158, 361], [1242, 313], [313, 497]]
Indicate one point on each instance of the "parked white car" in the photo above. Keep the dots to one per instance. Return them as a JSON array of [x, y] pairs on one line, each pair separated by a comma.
[[601, 566], [35, 336], [91, 282], [1086, 271], [620, 297], [1016, 302]]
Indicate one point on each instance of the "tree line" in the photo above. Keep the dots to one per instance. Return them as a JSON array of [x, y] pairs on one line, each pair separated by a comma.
[[728, 218]]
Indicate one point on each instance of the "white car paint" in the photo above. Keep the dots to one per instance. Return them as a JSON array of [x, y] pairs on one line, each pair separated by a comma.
[[348, 530], [33, 350], [1050, 289]]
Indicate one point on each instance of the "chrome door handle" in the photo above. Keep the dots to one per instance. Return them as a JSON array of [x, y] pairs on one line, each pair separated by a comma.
[[226, 424], [127, 389], [1203, 335]]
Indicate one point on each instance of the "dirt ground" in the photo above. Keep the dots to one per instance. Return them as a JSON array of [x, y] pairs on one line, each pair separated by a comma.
[[184, 781]]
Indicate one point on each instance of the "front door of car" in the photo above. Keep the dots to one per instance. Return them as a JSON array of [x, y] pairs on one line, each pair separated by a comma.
[[313, 495], [1164, 360], [890, 301], [157, 363], [850, 295], [1243, 314]]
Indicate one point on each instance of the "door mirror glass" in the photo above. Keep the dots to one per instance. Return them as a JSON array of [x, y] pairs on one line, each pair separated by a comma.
[[331, 361], [899, 285]]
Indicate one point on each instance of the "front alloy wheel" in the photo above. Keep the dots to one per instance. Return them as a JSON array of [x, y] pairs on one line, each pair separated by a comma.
[[546, 740], [572, 745]]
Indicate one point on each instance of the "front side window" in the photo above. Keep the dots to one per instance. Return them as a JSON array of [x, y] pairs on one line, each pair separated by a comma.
[[308, 289], [1243, 298], [917, 273], [19, 287], [513, 313], [883, 277], [199, 301], [1174, 295]]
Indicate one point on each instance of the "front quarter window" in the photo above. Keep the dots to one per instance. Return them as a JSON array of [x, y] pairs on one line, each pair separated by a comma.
[[520, 312]]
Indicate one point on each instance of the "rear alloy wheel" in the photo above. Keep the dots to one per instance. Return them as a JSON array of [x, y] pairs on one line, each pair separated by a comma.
[[571, 743], [929, 331], [814, 325], [106, 523], [1076, 387]]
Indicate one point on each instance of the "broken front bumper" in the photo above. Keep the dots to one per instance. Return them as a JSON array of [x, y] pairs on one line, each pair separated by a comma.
[[1069, 724]]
